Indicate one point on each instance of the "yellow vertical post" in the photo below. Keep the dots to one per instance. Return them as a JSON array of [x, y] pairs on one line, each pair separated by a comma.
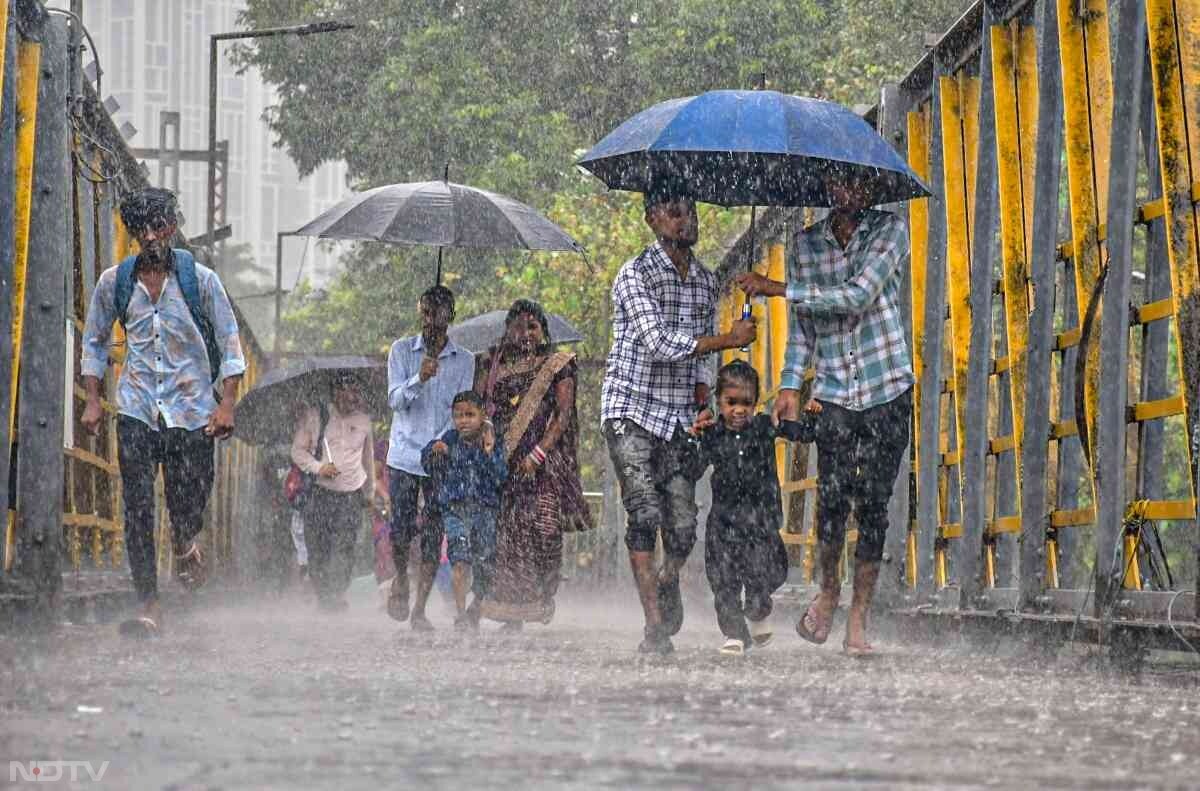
[[1087, 109], [777, 328], [918, 222], [725, 308], [3, 39], [968, 104], [958, 248], [1027, 109], [121, 247], [1132, 579], [123, 244], [730, 312], [1051, 563], [758, 349], [1174, 29], [1014, 202], [29, 56], [777, 311]]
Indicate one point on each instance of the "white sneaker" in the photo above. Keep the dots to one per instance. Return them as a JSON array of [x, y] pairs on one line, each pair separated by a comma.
[[761, 631], [733, 647]]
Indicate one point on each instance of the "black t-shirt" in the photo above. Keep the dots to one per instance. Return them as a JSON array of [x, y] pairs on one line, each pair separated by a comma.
[[745, 477]]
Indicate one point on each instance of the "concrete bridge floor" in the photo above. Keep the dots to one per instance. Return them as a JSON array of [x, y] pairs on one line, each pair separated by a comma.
[[273, 694]]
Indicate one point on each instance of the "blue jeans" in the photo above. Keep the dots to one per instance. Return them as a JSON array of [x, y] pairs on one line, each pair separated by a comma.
[[471, 538]]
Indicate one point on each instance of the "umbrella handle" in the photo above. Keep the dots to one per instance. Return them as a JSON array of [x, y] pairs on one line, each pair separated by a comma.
[[747, 313]]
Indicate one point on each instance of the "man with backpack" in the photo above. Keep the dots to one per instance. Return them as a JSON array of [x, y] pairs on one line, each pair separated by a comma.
[[181, 340]]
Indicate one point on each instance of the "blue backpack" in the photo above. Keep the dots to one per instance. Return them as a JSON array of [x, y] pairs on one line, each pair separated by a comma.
[[185, 274]]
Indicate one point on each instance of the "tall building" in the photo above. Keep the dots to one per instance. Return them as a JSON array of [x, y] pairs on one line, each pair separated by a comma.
[[154, 56]]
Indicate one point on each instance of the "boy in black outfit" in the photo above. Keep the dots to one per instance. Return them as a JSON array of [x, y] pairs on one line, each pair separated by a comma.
[[745, 559]]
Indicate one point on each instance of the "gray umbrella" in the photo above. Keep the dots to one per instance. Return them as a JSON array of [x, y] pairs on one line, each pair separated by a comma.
[[439, 214], [480, 333], [267, 414]]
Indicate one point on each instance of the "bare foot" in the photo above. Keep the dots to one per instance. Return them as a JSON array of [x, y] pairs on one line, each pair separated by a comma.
[[856, 634]]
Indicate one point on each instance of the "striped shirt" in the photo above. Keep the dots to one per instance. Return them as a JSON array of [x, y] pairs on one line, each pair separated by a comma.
[[652, 369], [845, 313]]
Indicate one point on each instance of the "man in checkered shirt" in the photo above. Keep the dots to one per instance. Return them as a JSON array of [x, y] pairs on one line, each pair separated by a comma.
[[844, 278], [664, 310]]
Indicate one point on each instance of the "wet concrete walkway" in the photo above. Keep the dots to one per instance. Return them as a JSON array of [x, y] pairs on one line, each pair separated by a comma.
[[275, 695]]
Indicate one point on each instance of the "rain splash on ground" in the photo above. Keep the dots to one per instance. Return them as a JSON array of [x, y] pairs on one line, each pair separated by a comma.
[[272, 694]]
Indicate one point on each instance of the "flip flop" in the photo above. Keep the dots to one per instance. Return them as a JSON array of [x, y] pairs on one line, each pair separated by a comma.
[[141, 628], [733, 647], [810, 627], [761, 632]]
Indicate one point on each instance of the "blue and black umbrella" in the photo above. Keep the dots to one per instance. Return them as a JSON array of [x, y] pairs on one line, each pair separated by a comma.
[[751, 148]]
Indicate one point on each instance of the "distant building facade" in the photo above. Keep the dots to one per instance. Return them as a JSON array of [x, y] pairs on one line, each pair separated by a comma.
[[154, 55]]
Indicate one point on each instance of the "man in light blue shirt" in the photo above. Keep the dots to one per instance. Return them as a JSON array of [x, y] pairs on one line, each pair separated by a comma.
[[181, 338], [425, 372]]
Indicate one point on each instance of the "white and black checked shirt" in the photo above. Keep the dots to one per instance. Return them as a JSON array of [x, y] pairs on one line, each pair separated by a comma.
[[652, 369], [845, 311]]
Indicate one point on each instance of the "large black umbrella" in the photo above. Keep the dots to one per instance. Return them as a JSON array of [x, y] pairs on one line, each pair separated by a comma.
[[480, 333], [440, 214], [267, 414]]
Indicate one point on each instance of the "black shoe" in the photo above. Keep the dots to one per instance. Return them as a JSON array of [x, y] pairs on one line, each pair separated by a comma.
[[670, 606], [656, 642]]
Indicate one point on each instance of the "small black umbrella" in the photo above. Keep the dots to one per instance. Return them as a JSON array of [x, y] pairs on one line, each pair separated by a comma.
[[267, 414], [480, 333], [440, 214]]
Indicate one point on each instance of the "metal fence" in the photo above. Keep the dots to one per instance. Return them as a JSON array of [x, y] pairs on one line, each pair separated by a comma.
[[1054, 286]]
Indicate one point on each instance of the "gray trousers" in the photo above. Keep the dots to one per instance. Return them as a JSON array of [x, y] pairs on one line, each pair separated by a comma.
[[658, 486]]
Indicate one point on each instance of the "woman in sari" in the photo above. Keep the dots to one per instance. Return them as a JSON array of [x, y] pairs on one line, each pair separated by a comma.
[[529, 389]]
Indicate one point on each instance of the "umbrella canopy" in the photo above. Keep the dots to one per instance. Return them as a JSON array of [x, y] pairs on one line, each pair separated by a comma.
[[750, 148], [480, 333], [267, 413], [439, 214]]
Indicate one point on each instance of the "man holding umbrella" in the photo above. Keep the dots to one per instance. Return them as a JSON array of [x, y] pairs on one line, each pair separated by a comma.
[[664, 309], [844, 280], [425, 372]]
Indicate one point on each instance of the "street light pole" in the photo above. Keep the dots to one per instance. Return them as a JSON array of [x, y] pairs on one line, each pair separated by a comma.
[[279, 288], [214, 40]]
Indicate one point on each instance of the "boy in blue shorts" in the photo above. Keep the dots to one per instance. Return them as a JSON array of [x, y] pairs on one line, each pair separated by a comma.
[[469, 469]]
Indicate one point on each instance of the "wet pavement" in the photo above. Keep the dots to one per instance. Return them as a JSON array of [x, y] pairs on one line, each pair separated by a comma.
[[275, 695]]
